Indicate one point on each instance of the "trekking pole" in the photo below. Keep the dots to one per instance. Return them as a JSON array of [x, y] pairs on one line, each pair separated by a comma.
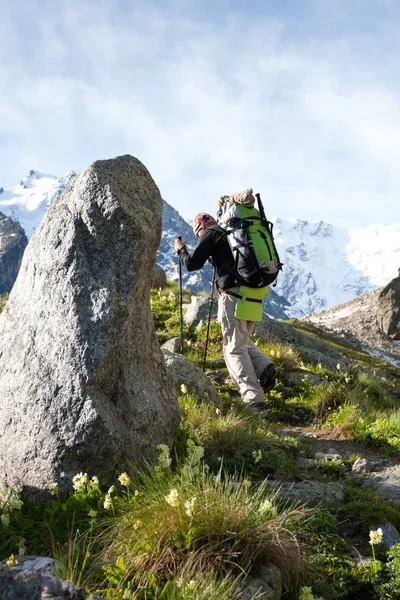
[[180, 298], [209, 319]]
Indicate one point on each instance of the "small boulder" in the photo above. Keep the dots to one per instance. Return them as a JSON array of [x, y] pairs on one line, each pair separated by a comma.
[[158, 278], [183, 371], [360, 466], [198, 310]]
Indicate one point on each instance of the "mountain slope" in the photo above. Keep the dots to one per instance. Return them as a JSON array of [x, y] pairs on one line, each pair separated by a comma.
[[323, 265]]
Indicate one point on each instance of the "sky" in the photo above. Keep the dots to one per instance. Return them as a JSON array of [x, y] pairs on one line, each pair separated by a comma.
[[298, 99]]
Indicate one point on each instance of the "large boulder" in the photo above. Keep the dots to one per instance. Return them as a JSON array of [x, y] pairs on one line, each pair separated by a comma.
[[84, 386], [13, 242], [388, 314], [198, 310]]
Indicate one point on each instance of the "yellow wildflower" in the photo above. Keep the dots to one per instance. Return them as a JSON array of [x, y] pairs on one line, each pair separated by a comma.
[[124, 479], [375, 536], [12, 561]]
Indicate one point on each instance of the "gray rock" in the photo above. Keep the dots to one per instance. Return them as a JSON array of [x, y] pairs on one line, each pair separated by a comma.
[[328, 456], [158, 278], [388, 313], [13, 242], [198, 310], [45, 564], [266, 585], [296, 377], [17, 584], [390, 536], [310, 491], [185, 372], [173, 345], [83, 381], [361, 465], [386, 482]]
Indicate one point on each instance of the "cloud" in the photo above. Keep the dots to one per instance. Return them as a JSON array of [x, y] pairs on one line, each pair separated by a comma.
[[211, 102]]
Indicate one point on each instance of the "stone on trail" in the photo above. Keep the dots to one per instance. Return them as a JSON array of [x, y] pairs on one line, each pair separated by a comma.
[[84, 386]]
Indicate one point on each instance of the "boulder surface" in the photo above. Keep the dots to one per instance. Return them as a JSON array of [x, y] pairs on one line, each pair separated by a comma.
[[84, 386]]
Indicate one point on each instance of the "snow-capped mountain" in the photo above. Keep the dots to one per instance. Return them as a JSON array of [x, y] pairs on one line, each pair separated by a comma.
[[323, 265], [28, 201]]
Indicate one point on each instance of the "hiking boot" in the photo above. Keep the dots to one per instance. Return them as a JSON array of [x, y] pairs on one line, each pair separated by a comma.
[[268, 377], [257, 409]]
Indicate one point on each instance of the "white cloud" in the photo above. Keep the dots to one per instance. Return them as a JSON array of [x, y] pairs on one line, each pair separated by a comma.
[[209, 109]]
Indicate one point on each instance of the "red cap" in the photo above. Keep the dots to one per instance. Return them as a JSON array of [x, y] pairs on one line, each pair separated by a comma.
[[201, 222]]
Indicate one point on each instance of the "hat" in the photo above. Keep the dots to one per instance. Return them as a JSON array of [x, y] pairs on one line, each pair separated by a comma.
[[201, 222]]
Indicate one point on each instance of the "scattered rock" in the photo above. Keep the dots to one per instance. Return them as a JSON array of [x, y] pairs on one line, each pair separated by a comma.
[[266, 585], [45, 564], [17, 584], [84, 386], [198, 310], [173, 345], [386, 482], [185, 372], [328, 456], [390, 536], [310, 491], [361, 465], [296, 377], [158, 278]]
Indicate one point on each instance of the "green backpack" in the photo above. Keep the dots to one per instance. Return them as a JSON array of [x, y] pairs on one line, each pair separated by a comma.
[[250, 238]]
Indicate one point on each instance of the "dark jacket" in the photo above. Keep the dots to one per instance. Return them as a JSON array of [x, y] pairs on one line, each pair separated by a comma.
[[212, 243]]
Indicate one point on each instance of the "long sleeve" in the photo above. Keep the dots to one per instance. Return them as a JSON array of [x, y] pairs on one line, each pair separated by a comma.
[[197, 259]]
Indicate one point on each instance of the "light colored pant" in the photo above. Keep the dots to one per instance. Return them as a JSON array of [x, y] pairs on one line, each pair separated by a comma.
[[244, 360]]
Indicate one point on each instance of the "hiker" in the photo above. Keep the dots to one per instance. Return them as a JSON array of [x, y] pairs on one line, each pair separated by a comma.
[[251, 370]]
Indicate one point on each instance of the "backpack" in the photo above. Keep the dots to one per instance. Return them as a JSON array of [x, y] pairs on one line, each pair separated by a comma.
[[250, 238]]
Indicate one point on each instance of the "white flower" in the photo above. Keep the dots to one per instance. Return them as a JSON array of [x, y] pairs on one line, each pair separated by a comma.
[[173, 497], [184, 388], [267, 507], [107, 502], [5, 519], [112, 489], [375, 536], [79, 482], [54, 489], [124, 479], [189, 506], [92, 514], [94, 483], [16, 504], [192, 584], [338, 366]]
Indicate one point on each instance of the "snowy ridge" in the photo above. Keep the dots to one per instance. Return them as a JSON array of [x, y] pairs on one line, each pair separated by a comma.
[[28, 201], [323, 265]]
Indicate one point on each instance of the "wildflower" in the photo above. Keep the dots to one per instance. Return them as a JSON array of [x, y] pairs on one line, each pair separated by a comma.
[[136, 523], [272, 353], [22, 547], [218, 412], [278, 354], [12, 561], [107, 502], [173, 497], [124, 479], [192, 584], [338, 367], [79, 482], [257, 455], [306, 594], [94, 483], [92, 514], [5, 519], [164, 459], [16, 504], [184, 388], [112, 489], [267, 507], [375, 536], [136, 493], [189, 506], [54, 489]]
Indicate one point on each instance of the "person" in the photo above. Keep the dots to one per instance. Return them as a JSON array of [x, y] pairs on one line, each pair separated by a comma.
[[250, 369]]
